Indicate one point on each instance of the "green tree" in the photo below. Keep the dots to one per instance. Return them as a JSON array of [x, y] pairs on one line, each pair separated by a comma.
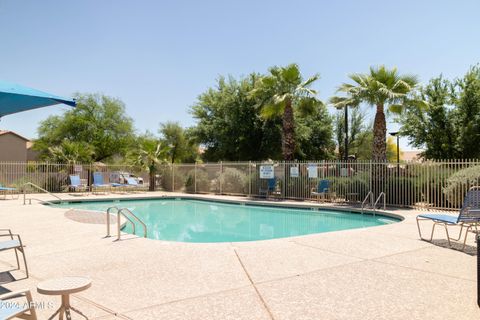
[[182, 147], [392, 150], [149, 154], [228, 125], [382, 88], [285, 90], [449, 127], [433, 128], [466, 113], [98, 121], [314, 134], [356, 126]]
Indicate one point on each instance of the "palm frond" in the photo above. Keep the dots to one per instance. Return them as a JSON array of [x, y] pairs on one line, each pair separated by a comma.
[[270, 111], [310, 81], [396, 108], [291, 73]]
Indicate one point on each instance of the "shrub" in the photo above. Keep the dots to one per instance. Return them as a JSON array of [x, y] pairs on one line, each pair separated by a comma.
[[459, 182], [201, 179], [233, 181], [167, 180], [358, 183], [402, 191]]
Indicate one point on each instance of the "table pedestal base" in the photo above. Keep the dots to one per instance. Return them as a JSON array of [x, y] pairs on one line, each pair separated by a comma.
[[65, 309]]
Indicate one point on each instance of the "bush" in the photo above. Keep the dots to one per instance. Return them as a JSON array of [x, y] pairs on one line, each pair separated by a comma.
[[166, 174], [399, 191], [354, 184], [201, 178], [233, 181], [459, 182]]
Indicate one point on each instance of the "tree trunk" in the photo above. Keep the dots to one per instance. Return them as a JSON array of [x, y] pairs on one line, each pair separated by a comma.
[[152, 171], [379, 150], [288, 143]]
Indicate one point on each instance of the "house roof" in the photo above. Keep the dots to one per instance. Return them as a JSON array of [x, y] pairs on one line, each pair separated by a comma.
[[411, 155], [4, 132]]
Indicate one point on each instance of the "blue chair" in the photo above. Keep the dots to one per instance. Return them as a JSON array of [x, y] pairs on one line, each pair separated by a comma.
[[270, 189], [132, 183], [98, 182], [76, 183], [322, 190], [10, 310], [468, 217], [6, 190]]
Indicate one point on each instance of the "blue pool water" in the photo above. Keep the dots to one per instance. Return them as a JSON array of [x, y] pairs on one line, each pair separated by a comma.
[[190, 220]]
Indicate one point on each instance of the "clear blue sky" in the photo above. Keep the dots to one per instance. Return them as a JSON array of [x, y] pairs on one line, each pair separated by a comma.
[[158, 56]]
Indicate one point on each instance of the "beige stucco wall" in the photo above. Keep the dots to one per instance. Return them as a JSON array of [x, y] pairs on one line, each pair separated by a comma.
[[12, 148]]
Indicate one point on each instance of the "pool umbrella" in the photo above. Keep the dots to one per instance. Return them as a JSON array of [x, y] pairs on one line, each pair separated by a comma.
[[16, 98]]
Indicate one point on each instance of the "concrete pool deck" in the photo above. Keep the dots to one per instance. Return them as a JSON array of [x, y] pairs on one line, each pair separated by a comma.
[[382, 272]]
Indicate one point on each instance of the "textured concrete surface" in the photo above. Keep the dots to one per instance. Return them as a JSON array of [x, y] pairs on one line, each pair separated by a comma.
[[382, 272]]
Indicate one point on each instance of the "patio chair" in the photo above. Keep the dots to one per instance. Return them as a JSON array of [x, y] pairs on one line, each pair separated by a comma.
[[322, 190], [132, 183], [6, 190], [98, 182], [76, 183], [468, 217], [270, 189], [14, 243], [10, 310]]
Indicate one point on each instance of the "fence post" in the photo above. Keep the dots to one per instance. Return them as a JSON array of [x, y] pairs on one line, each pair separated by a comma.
[[220, 175], [428, 184], [478, 269], [249, 178], [195, 178], [173, 177]]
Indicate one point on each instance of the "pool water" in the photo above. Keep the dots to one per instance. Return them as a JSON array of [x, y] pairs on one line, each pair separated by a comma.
[[190, 220]]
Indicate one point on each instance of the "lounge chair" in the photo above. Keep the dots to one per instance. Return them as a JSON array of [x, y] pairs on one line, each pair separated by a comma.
[[132, 183], [10, 310], [76, 183], [14, 243], [6, 190], [468, 217], [322, 190], [98, 182], [270, 189]]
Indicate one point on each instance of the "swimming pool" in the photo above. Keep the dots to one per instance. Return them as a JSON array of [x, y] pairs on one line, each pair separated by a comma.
[[193, 220]]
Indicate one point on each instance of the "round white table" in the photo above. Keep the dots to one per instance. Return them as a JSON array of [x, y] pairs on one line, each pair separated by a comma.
[[64, 287]]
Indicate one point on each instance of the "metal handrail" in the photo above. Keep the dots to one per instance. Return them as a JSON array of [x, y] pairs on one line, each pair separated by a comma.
[[369, 195], [39, 188], [108, 220], [123, 212], [118, 222], [378, 199], [135, 217]]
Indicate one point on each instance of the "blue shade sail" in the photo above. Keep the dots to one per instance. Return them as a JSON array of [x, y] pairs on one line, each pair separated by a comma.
[[16, 98]]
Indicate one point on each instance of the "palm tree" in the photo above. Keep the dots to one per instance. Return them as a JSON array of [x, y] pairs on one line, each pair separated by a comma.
[[279, 93], [382, 88], [71, 152], [149, 155]]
